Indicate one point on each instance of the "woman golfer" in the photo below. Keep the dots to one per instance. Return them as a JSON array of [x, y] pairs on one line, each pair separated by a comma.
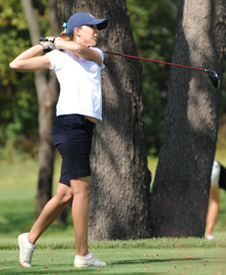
[[77, 64], [218, 181]]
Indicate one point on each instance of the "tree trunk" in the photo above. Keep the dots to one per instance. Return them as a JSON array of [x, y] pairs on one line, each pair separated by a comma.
[[47, 96], [180, 194], [47, 93], [120, 177]]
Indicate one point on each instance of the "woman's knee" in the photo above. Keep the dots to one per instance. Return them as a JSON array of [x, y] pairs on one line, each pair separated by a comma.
[[64, 194], [81, 186], [215, 193]]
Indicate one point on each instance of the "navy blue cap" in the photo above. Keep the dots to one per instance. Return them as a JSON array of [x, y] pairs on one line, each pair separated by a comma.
[[83, 18]]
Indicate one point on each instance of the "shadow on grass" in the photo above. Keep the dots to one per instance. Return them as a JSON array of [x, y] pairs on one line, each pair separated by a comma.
[[156, 260], [92, 270]]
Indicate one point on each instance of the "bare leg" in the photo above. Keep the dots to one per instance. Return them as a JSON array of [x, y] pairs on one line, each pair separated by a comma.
[[80, 213], [213, 209], [51, 211]]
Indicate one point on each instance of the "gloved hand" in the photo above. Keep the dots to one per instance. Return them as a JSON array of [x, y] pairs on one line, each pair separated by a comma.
[[47, 43]]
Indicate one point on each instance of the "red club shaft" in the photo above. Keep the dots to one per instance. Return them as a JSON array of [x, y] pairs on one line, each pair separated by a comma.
[[152, 60]]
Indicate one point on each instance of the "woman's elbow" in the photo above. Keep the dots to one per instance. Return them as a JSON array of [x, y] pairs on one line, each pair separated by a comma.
[[13, 65]]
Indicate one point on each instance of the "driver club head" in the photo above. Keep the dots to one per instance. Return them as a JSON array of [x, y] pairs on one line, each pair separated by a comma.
[[214, 79]]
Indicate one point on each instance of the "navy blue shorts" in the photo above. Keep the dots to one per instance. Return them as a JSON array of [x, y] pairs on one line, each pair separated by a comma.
[[72, 136]]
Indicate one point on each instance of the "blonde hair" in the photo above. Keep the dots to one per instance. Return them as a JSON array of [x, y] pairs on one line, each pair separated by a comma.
[[65, 37]]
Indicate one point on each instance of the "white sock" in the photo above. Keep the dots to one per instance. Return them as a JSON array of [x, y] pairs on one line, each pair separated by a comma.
[[31, 243], [87, 255]]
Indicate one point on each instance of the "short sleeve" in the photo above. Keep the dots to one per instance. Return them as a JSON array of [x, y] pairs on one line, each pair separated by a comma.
[[101, 55], [215, 175], [53, 57]]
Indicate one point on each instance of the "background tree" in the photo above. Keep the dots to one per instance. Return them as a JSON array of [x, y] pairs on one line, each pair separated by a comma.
[[180, 193], [120, 177], [153, 24], [47, 94]]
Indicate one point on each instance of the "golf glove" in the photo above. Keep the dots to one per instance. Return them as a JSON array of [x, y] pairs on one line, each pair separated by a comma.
[[47, 43]]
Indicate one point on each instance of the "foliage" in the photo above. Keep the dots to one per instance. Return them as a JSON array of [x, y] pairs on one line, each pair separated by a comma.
[[223, 97], [18, 102], [153, 25]]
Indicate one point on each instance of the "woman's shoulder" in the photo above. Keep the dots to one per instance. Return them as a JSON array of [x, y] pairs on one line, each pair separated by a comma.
[[97, 49], [56, 53], [100, 52], [58, 59]]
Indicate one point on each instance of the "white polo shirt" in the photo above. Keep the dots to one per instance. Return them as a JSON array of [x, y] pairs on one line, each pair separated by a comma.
[[215, 174], [80, 84]]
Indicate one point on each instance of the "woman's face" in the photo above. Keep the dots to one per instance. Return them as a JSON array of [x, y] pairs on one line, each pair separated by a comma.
[[89, 35]]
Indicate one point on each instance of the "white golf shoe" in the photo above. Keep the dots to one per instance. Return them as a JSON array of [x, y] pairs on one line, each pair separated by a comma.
[[26, 250], [89, 261], [210, 237]]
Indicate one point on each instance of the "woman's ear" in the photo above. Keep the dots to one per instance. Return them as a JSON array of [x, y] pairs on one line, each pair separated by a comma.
[[77, 32]]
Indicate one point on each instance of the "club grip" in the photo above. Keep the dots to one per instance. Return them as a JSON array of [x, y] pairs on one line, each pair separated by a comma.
[[42, 39]]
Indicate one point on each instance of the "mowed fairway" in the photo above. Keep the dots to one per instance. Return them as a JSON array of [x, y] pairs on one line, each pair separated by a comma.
[[206, 261]]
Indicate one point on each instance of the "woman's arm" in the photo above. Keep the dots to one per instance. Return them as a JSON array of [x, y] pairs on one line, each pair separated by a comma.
[[29, 61], [79, 50]]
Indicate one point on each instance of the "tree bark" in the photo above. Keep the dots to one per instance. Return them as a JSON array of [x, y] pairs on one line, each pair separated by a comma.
[[47, 93], [180, 194], [120, 178]]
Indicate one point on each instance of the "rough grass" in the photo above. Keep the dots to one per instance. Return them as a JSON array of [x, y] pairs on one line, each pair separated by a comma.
[[60, 242]]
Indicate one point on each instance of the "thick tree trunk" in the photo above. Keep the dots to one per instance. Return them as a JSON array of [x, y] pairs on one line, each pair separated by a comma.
[[179, 199], [47, 93], [120, 177]]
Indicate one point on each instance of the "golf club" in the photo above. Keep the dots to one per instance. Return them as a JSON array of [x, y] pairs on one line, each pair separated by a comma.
[[214, 79]]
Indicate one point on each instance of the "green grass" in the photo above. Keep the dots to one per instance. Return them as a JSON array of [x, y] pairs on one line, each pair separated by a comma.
[[18, 186], [154, 243], [158, 256], [56, 249], [146, 256]]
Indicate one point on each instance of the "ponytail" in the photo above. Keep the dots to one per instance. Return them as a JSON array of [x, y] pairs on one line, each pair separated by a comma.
[[64, 36]]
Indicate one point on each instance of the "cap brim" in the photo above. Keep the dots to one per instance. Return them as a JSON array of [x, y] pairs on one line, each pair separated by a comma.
[[101, 23]]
